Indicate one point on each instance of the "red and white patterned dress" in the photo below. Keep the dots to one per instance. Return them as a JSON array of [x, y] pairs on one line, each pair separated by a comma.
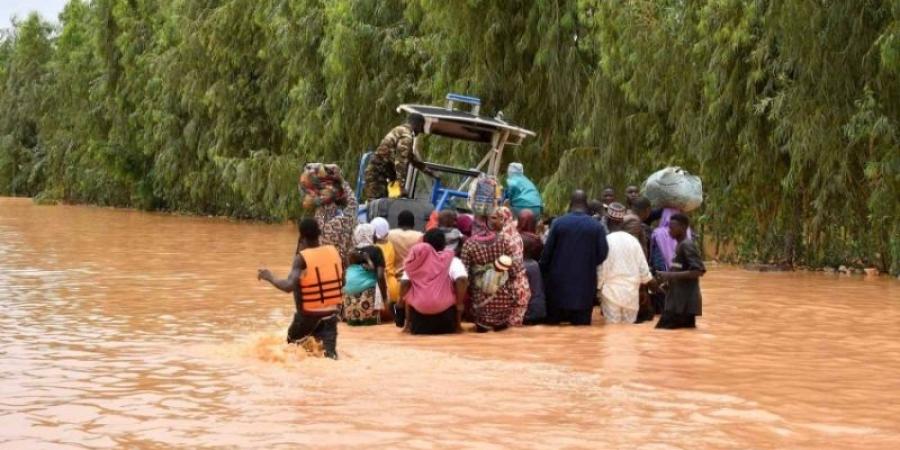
[[491, 310]]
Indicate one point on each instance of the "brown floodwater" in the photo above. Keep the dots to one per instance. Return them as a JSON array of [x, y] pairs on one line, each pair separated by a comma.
[[128, 329]]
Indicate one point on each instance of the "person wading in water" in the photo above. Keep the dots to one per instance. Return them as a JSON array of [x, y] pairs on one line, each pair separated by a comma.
[[316, 279]]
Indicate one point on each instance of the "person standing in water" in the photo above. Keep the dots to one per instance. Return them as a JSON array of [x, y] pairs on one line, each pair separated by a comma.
[[434, 287], [316, 279], [493, 283], [683, 300], [362, 307], [620, 277], [575, 247]]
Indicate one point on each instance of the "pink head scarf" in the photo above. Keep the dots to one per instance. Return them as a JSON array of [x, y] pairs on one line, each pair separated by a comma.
[[481, 229], [431, 290]]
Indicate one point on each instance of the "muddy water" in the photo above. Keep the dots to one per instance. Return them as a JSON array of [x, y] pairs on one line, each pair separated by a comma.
[[125, 329]]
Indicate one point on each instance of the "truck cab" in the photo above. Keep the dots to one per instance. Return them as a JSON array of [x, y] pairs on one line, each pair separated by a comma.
[[450, 122]]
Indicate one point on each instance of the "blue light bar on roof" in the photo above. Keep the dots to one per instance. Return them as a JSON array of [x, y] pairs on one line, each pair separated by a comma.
[[475, 101]]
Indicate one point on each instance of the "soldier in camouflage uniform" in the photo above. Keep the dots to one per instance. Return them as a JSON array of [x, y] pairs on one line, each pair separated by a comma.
[[392, 158]]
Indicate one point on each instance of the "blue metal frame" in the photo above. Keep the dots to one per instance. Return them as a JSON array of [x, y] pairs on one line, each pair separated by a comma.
[[440, 195]]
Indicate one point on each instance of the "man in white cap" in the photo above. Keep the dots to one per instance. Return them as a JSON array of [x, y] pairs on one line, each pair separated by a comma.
[[521, 192]]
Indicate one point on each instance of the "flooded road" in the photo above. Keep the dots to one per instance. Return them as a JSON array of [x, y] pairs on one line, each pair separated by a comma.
[[127, 329]]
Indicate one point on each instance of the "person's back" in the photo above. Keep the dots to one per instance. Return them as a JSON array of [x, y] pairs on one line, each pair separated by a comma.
[[315, 280], [521, 191], [434, 285], [404, 238], [575, 247], [621, 276], [575, 234], [319, 287]]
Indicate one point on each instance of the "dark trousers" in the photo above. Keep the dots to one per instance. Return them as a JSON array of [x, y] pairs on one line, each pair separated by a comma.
[[556, 315], [659, 302], [324, 329], [645, 307], [671, 321], [440, 323]]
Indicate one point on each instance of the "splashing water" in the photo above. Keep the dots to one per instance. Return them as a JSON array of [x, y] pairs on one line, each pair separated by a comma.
[[271, 347]]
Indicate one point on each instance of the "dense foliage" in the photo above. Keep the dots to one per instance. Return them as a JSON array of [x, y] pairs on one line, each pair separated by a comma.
[[787, 109]]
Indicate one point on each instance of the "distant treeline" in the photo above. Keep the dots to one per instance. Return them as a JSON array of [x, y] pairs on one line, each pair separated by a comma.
[[788, 109]]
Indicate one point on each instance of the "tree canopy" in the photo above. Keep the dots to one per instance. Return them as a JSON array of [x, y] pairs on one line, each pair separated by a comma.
[[788, 110]]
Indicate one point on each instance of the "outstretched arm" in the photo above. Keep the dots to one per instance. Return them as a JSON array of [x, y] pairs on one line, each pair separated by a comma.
[[287, 284], [694, 267], [682, 275]]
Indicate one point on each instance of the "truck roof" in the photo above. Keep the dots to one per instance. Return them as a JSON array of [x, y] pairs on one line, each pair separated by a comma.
[[456, 124]]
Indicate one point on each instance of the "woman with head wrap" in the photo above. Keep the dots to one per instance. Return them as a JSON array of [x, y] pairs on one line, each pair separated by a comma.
[[521, 192], [434, 285], [337, 222], [464, 224], [390, 271], [493, 273], [511, 232], [366, 262]]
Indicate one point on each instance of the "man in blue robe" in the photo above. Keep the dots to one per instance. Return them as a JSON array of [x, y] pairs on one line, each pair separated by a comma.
[[575, 247]]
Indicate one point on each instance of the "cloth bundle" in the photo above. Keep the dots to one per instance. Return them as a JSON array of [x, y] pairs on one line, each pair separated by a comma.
[[358, 280], [322, 184], [484, 196], [674, 187]]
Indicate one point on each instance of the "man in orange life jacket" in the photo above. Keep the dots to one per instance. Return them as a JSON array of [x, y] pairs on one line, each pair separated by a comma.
[[316, 280]]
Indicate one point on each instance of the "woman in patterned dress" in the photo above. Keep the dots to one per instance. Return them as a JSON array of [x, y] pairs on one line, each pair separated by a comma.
[[479, 254], [360, 308], [337, 223], [523, 292]]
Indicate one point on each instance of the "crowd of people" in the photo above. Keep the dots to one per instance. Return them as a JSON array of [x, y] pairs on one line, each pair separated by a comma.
[[507, 268]]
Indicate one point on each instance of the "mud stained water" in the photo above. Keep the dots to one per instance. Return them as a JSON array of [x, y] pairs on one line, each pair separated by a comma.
[[134, 330]]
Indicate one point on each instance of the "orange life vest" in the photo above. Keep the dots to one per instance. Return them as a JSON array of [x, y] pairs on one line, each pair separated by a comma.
[[323, 279]]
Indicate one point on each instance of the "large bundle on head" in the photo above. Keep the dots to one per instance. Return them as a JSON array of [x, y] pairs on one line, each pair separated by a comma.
[[322, 184], [674, 187], [484, 195]]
